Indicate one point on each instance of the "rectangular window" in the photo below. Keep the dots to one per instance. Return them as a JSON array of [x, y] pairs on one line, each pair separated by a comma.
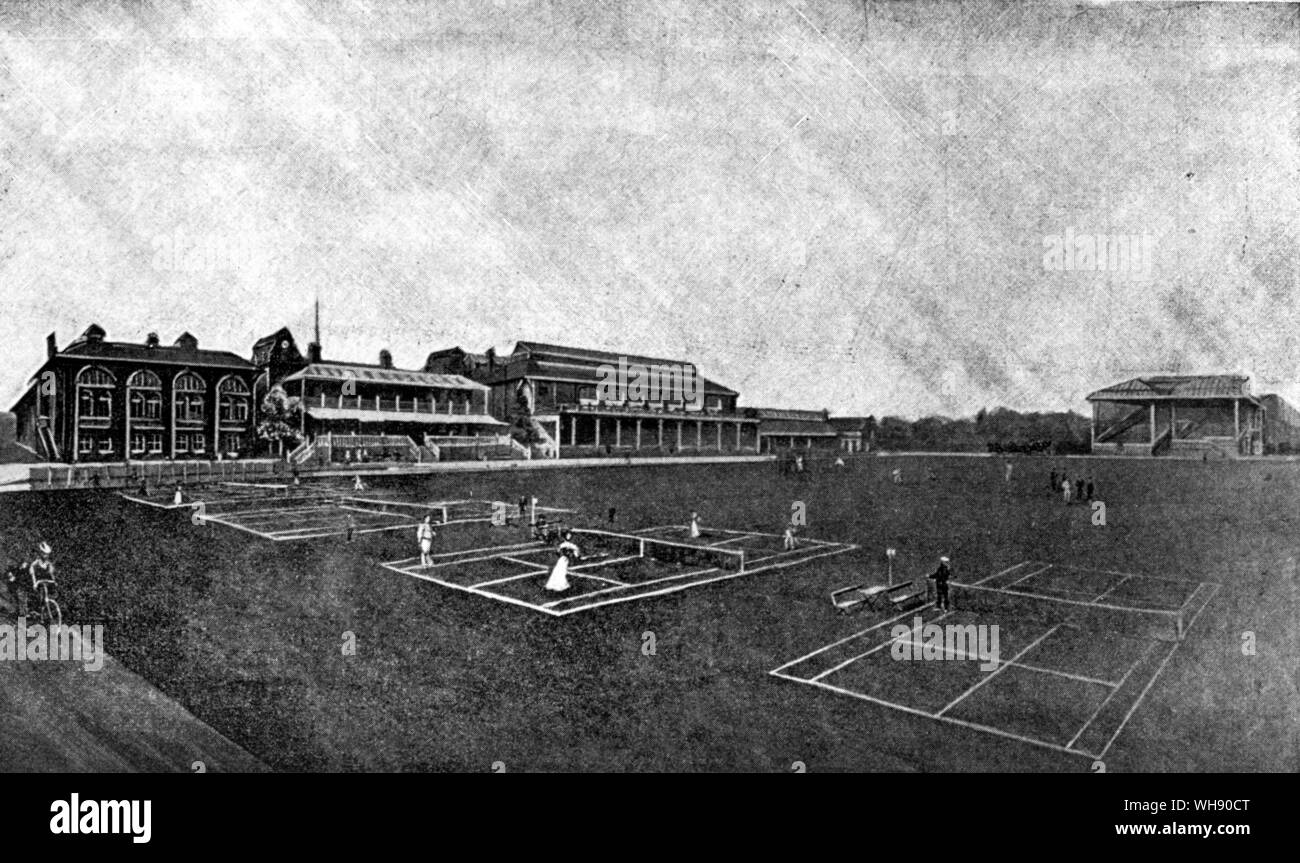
[[137, 443], [182, 443], [155, 442], [106, 445], [85, 445], [198, 443]]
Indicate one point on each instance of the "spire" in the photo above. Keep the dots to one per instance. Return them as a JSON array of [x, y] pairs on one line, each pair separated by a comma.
[[318, 320]]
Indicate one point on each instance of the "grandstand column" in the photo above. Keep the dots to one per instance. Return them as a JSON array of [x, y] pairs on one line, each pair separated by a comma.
[[718, 428], [699, 434], [738, 437], [618, 431], [638, 432], [679, 435], [659, 441], [573, 431], [1153, 423], [597, 431], [1236, 420]]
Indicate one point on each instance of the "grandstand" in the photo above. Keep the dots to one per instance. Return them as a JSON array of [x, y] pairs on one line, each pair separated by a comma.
[[555, 392], [1189, 416]]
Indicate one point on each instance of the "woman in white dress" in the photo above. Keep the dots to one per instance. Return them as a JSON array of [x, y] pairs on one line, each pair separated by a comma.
[[695, 526], [559, 579]]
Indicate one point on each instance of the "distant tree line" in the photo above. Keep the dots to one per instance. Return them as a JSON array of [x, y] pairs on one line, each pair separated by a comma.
[[1001, 430]]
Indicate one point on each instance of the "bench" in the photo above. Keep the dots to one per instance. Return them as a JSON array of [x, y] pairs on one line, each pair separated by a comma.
[[855, 597]]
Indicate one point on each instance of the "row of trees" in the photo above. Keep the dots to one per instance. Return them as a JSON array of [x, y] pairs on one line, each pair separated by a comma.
[[999, 430]]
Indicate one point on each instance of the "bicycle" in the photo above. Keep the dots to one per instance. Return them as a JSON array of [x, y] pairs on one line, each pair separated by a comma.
[[51, 614]]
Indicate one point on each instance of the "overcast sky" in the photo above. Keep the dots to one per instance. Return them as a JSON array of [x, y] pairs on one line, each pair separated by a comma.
[[833, 204]]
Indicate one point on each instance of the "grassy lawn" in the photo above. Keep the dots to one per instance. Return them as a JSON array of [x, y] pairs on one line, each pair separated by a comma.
[[247, 634]]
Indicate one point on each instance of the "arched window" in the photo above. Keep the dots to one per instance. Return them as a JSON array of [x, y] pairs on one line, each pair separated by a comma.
[[187, 397], [233, 398], [144, 396], [95, 393]]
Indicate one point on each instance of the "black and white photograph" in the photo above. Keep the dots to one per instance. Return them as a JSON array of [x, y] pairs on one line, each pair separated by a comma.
[[571, 386]]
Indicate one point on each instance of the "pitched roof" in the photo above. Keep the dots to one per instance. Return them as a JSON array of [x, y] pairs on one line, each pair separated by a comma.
[[787, 414], [174, 354], [1163, 387], [363, 373], [572, 368], [588, 355]]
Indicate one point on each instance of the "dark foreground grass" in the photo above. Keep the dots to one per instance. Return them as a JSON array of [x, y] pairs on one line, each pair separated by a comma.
[[248, 634]]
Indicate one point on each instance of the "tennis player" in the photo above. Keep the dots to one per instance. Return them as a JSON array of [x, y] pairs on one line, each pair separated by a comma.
[[424, 533], [559, 578], [788, 541], [357, 484], [695, 525]]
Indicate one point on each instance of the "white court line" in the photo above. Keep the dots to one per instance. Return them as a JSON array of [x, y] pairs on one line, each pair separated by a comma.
[[480, 593], [948, 719], [335, 532], [986, 678], [679, 575], [703, 572], [1138, 575], [962, 655], [464, 560], [481, 584], [1079, 677], [1026, 578], [510, 559], [1118, 687], [1004, 572], [1159, 671], [1110, 589], [848, 662], [676, 588], [844, 640], [510, 600], [440, 555]]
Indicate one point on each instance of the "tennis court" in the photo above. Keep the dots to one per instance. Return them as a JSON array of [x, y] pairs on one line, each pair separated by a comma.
[[1077, 651], [613, 567], [285, 513]]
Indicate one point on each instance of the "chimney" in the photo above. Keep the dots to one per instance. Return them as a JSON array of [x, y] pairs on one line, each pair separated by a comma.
[[385, 359], [151, 340], [313, 352], [51, 346]]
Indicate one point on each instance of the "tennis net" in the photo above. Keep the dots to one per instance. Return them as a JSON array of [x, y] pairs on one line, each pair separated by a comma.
[[1160, 624], [443, 513], [595, 543]]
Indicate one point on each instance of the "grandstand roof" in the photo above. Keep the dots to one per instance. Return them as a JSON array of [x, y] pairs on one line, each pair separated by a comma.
[[361, 372], [787, 414], [1181, 387], [588, 355], [578, 365], [850, 424]]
